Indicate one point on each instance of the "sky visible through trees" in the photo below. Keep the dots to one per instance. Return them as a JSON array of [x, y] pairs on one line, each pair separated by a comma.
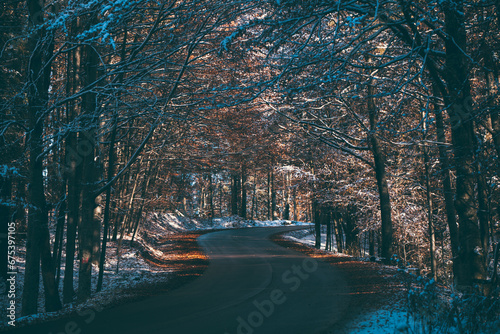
[[378, 119]]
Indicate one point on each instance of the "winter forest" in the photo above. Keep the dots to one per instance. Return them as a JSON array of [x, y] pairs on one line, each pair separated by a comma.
[[377, 120]]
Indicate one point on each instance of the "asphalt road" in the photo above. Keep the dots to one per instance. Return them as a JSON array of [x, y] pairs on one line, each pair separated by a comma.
[[251, 286]]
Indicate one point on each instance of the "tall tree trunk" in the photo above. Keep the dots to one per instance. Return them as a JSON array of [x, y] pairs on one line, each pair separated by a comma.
[[90, 219], [471, 258], [432, 236], [111, 172], [381, 176], [73, 164], [38, 243]]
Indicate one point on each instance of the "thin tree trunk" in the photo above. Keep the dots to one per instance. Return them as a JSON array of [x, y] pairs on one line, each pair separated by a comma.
[[381, 176], [432, 236], [273, 197], [212, 206], [253, 213], [269, 196], [243, 207], [339, 236], [123, 228], [111, 171], [317, 224], [74, 196], [58, 243], [371, 246], [294, 196], [482, 192], [328, 221], [234, 193], [149, 175], [286, 211], [448, 192]]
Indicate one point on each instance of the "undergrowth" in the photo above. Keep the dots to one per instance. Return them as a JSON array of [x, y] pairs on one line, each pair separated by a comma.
[[435, 309]]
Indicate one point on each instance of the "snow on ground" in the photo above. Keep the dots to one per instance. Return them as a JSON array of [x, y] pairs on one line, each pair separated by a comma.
[[178, 223], [133, 271], [379, 321]]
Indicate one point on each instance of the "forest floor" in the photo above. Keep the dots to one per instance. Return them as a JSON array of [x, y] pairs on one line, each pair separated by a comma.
[[165, 255], [144, 271]]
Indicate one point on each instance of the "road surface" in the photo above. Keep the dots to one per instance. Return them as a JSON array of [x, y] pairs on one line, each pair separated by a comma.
[[252, 286]]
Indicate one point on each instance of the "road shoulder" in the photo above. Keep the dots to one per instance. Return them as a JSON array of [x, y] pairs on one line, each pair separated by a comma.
[[377, 291]]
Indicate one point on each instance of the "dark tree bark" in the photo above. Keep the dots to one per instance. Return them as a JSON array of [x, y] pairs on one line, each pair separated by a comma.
[[235, 180], [294, 197], [483, 212], [150, 174], [111, 171], [339, 235], [328, 222], [253, 211], [273, 195], [371, 246], [270, 214], [73, 170], [471, 257], [38, 243], [59, 237], [74, 199], [90, 220], [317, 224], [212, 195], [351, 230], [286, 190], [386, 247], [243, 197]]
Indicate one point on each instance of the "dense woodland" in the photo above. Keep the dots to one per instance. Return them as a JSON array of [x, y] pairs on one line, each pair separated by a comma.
[[378, 119]]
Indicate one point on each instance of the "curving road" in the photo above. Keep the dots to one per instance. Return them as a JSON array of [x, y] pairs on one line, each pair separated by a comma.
[[251, 286]]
